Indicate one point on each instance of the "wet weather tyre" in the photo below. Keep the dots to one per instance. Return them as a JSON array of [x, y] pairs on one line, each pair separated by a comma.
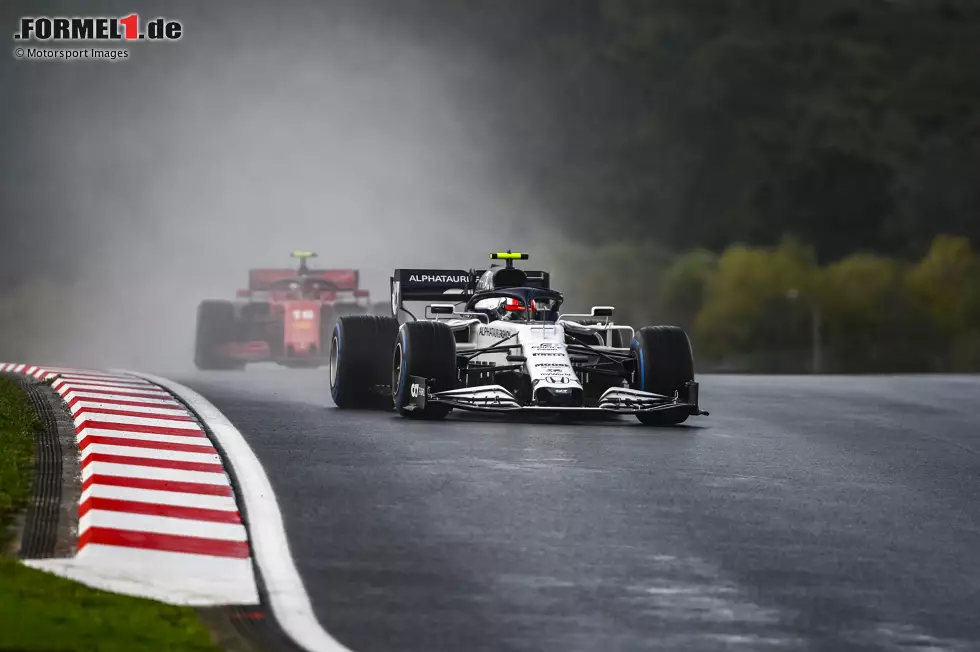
[[426, 349], [215, 328], [360, 361], [329, 314], [664, 365]]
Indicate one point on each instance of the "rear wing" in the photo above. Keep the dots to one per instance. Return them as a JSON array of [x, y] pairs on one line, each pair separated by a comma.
[[453, 285], [346, 280]]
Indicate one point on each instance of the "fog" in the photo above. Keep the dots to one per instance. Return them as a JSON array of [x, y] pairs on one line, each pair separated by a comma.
[[134, 189]]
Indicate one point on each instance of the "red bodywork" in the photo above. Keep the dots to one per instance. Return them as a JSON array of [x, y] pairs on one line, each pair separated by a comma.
[[263, 279], [288, 318], [302, 327]]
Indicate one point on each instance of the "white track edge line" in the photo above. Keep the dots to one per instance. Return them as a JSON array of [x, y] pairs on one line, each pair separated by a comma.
[[270, 547]]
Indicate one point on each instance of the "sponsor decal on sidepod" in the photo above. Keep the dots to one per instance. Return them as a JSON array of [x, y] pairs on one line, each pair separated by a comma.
[[494, 332]]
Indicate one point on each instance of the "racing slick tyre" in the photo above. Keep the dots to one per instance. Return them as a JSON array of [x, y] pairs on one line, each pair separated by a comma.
[[215, 328], [664, 365], [426, 349], [360, 361]]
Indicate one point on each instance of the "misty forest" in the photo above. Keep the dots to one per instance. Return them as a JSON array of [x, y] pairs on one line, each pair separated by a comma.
[[763, 173]]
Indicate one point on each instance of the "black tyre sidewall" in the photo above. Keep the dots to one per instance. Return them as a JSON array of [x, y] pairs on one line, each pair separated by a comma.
[[427, 349], [215, 327], [364, 344], [664, 364]]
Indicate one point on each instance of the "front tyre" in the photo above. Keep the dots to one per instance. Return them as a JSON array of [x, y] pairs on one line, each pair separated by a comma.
[[360, 355], [664, 365], [426, 349], [215, 329]]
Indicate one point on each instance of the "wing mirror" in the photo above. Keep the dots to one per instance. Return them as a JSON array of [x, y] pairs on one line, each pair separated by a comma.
[[602, 311], [442, 308]]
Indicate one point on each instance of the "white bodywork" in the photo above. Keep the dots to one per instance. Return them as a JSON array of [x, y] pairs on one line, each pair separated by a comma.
[[540, 349], [543, 345], [547, 363]]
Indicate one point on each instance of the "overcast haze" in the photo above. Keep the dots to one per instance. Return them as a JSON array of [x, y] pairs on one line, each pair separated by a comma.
[[134, 189]]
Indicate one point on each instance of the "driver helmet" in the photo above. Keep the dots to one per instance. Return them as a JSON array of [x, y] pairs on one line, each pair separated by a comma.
[[515, 310]]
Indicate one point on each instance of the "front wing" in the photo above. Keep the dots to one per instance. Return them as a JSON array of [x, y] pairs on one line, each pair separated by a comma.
[[495, 398]]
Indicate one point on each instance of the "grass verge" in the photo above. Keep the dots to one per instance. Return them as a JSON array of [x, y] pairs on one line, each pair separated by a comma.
[[39, 611], [17, 425]]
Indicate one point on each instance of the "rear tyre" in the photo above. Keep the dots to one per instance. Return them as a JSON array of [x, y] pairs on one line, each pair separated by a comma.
[[215, 328], [276, 337], [664, 365], [426, 349], [360, 360], [329, 314]]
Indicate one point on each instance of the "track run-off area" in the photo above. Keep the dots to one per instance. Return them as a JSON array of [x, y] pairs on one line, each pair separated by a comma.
[[806, 513]]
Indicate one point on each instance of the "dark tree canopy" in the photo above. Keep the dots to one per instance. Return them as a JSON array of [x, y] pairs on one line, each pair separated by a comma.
[[851, 124]]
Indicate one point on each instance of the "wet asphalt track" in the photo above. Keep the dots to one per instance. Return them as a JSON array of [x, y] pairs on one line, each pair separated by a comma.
[[804, 514]]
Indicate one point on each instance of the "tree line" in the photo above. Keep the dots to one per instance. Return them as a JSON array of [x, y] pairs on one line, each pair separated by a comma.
[[817, 161], [762, 309], [853, 125]]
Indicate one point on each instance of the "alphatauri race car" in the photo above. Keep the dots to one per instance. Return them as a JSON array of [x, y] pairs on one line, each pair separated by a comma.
[[285, 316], [497, 343]]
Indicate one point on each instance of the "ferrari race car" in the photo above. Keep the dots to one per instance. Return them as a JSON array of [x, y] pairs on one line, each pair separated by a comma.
[[284, 316], [508, 349]]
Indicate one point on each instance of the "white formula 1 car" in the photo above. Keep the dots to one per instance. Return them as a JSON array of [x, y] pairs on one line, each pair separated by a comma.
[[497, 343]]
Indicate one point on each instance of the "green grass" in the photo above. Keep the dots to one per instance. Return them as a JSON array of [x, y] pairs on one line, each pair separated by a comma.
[[42, 612], [17, 425]]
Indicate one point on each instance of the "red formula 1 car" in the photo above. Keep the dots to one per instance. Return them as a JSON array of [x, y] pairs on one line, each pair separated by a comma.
[[285, 316]]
